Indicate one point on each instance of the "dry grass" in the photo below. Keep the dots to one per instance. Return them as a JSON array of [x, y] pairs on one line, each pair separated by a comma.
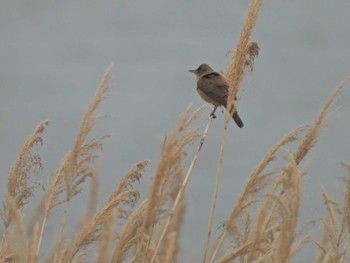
[[127, 229], [242, 60], [262, 226]]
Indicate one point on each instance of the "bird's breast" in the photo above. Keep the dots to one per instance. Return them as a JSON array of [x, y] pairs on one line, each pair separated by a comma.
[[206, 98]]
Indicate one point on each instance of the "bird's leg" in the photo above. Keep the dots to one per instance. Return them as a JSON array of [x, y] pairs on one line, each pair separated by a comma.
[[212, 114]]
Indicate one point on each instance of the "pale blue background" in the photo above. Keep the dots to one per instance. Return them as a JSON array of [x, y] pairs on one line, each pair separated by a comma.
[[53, 54]]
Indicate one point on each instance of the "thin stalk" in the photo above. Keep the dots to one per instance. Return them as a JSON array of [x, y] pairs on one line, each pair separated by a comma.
[[43, 224], [346, 245], [216, 187], [182, 189]]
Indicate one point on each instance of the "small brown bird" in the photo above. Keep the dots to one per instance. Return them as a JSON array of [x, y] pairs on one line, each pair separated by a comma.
[[213, 88]]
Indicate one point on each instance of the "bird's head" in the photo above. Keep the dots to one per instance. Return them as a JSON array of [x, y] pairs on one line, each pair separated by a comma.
[[201, 70]]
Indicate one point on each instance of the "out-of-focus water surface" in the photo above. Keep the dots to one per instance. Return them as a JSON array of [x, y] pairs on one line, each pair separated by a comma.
[[53, 54]]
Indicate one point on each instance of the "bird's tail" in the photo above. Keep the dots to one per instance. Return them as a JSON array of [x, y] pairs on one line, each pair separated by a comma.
[[237, 119]]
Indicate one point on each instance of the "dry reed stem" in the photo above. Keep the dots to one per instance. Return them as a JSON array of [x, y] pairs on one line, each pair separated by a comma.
[[74, 168], [344, 256], [243, 249], [346, 213], [263, 218], [336, 236], [183, 186], [170, 244], [171, 152], [282, 251], [107, 237], [262, 233], [129, 234], [169, 166], [234, 75], [300, 243], [93, 196], [346, 206], [289, 216], [311, 135], [124, 194], [333, 234], [132, 176], [306, 144], [91, 231], [14, 247], [271, 237], [235, 71], [214, 196], [19, 189], [257, 247], [254, 184], [57, 250], [171, 239]]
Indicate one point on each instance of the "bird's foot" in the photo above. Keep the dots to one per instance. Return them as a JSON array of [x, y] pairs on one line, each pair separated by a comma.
[[213, 115]]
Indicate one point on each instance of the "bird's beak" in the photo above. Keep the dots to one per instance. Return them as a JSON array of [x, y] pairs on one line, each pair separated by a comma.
[[192, 71]]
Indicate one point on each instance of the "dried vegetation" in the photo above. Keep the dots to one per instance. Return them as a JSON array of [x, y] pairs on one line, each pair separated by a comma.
[[262, 225]]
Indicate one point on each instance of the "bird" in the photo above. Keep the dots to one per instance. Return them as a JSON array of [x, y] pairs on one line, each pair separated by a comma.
[[213, 88]]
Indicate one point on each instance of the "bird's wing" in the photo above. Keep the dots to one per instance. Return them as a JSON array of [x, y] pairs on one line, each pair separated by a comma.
[[214, 86]]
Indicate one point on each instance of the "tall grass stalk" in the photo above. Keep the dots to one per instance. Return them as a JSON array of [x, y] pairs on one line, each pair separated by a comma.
[[242, 59]]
